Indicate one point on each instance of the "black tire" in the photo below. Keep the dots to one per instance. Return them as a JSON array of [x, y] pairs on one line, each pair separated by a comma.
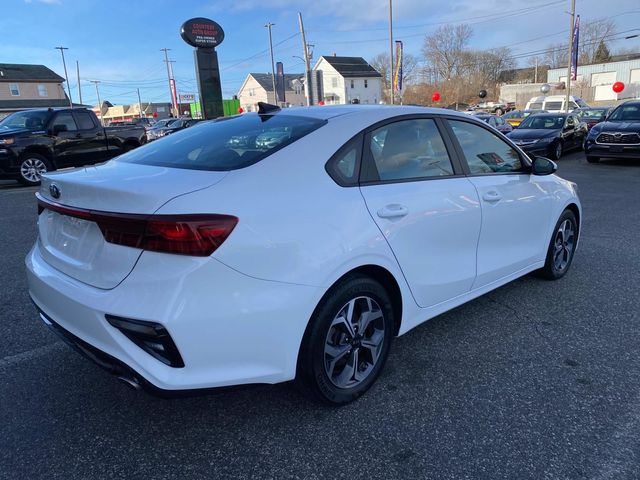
[[313, 361], [32, 165], [556, 151], [127, 147], [552, 270], [592, 159]]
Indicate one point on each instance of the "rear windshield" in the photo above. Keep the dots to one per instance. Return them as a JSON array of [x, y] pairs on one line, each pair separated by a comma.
[[224, 144]]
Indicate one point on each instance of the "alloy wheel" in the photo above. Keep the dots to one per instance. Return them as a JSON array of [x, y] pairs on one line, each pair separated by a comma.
[[558, 151], [563, 245], [32, 168], [354, 342]]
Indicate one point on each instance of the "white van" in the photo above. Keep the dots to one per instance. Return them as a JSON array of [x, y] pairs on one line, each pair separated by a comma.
[[555, 103]]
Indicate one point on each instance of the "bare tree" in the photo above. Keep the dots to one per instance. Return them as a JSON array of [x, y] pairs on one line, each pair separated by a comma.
[[556, 55], [445, 50], [592, 34], [409, 69]]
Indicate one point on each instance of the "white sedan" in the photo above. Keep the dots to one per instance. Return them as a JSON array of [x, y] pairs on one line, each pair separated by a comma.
[[210, 258]]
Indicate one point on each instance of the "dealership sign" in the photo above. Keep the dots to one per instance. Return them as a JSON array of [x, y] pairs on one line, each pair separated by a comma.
[[187, 97], [202, 33]]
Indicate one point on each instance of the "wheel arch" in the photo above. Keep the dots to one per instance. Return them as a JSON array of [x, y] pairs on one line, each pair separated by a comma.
[[39, 150], [576, 211]]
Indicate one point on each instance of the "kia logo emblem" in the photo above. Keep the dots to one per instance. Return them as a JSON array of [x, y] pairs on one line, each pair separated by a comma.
[[54, 190]]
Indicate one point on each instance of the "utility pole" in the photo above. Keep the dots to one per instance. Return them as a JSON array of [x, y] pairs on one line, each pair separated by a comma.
[[79, 88], [166, 61], [571, 27], [66, 75], [307, 72], [96, 82], [391, 51], [273, 66], [139, 103], [174, 91]]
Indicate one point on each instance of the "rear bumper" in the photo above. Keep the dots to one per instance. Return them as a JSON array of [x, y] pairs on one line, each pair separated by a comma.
[[229, 328]]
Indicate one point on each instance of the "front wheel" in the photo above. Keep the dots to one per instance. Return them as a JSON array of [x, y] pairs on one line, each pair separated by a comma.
[[557, 151], [347, 341], [32, 166], [561, 248]]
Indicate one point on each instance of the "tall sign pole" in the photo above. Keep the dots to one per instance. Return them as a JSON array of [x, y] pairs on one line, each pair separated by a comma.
[[570, 57], [391, 51], [166, 61], [307, 73], [66, 75], [96, 82], [205, 35], [273, 66], [79, 88]]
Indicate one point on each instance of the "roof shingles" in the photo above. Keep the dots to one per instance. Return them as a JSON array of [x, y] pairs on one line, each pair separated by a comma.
[[350, 67], [12, 72]]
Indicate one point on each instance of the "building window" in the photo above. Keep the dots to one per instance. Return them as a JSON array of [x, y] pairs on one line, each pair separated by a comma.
[[366, 83], [15, 90], [334, 82], [42, 90], [353, 84]]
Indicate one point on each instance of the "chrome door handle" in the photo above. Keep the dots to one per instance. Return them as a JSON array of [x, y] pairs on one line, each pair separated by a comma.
[[393, 210], [492, 196]]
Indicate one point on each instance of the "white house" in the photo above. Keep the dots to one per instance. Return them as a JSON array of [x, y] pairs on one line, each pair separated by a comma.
[[258, 87], [348, 79]]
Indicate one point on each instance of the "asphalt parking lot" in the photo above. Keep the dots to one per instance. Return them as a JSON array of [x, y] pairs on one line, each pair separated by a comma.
[[535, 380]]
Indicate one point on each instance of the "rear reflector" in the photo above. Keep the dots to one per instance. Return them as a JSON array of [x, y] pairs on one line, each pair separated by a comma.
[[198, 234], [152, 337]]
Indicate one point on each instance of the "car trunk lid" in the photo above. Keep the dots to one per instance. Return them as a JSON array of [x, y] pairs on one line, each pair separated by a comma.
[[73, 243]]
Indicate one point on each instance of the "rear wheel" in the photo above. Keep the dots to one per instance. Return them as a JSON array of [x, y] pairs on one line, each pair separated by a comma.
[[561, 248], [592, 159], [347, 341], [32, 166]]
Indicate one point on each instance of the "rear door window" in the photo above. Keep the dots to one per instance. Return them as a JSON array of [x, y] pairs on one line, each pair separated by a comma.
[[553, 106], [408, 149], [226, 144], [84, 120]]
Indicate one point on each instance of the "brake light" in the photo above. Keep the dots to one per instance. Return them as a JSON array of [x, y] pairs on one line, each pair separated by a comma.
[[197, 235]]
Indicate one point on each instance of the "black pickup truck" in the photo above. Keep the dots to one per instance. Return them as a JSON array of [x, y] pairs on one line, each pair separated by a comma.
[[33, 142]]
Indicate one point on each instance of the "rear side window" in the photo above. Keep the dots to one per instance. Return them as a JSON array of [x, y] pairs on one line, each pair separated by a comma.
[[535, 106], [344, 165], [409, 149], [226, 144]]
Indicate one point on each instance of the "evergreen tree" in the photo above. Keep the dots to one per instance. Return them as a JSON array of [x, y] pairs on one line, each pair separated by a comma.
[[602, 54]]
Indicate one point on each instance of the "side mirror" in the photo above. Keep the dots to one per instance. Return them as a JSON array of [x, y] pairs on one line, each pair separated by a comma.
[[543, 166], [57, 129]]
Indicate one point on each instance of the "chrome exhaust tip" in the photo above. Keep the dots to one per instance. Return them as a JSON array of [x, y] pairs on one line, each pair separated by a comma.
[[130, 382]]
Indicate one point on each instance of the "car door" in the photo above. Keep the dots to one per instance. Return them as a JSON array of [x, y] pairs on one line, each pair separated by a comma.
[[93, 145], [66, 142], [516, 206], [425, 207]]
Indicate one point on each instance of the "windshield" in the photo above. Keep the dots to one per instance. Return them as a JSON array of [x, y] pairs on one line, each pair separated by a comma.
[[225, 144], [542, 122], [594, 113], [553, 106], [626, 113], [32, 120]]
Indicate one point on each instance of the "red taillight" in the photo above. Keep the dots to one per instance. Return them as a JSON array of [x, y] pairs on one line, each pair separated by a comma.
[[197, 235]]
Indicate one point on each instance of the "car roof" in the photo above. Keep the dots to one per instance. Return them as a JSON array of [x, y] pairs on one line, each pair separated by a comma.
[[551, 114], [327, 112]]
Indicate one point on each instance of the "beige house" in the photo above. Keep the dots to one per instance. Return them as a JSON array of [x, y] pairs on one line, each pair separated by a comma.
[[258, 87], [30, 86]]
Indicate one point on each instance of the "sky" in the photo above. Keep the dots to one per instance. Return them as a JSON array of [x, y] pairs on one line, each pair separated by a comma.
[[118, 42]]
